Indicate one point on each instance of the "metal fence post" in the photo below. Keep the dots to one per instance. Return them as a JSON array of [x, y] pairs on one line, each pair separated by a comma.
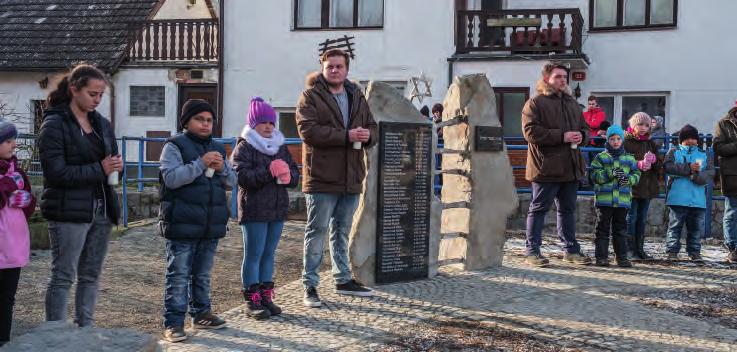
[[140, 165], [709, 189], [234, 191], [125, 182]]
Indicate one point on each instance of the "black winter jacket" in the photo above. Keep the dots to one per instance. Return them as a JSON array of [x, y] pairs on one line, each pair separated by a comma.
[[71, 171], [260, 198]]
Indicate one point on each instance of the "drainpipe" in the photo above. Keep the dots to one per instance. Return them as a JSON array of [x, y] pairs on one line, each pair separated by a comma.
[[221, 64], [112, 101]]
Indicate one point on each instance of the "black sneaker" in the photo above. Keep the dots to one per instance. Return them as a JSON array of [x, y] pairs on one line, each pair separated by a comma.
[[207, 320], [624, 263], [353, 288], [732, 256], [311, 299], [577, 258], [537, 260], [175, 334], [695, 257], [602, 262]]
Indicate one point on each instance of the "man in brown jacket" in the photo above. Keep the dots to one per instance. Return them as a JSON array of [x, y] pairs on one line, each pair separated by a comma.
[[336, 126], [554, 127], [725, 147]]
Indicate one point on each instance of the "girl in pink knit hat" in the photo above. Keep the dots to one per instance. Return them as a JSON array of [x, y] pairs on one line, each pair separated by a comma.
[[265, 169], [638, 141], [16, 206]]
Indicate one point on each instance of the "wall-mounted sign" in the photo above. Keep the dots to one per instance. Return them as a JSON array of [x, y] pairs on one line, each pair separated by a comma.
[[578, 76], [489, 139]]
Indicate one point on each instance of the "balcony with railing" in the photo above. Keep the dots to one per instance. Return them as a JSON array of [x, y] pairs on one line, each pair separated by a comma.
[[174, 41], [515, 32]]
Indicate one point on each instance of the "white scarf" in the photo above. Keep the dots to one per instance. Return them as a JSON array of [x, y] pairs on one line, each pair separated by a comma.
[[268, 146]]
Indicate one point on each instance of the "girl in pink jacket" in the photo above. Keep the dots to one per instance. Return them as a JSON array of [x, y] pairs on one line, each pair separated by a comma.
[[16, 206]]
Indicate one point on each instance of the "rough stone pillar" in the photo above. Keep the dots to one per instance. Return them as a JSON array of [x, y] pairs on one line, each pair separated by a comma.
[[478, 186], [386, 104]]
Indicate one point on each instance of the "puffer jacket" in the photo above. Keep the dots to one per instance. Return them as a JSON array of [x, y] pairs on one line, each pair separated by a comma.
[[606, 185], [71, 172], [685, 188], [725, 147], [260, 198]]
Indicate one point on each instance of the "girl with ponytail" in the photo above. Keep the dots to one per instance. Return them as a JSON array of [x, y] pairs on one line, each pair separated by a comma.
[[78, 152]]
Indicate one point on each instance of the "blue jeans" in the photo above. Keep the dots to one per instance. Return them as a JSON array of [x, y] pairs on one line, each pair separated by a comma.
[[78, 251], [730, 222], [188, 267], [693, 218], [259, 248], [335, 210], [543, 195], [637, 216]]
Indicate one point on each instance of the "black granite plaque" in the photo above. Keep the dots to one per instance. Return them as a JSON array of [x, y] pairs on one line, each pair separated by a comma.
[[489, 139], [405, 191]]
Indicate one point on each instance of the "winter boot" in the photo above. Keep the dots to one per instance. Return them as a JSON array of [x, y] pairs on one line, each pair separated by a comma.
[[267, 298], [254, 307], [640, 249]]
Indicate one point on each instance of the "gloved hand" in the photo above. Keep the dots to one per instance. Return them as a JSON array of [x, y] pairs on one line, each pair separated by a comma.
[[18, 179], [278, 168], [624, 181], [643, 165], [285, 178], [619, 173], [19, 199], [650, 158]]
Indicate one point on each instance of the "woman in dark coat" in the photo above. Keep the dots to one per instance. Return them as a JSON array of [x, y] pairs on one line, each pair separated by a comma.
[[78, 152]]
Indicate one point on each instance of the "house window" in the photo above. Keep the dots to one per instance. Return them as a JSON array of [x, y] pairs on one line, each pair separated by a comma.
[[287, 123], [620, 107], [147, 101], [338, 14], [509, 104], [632, 14]]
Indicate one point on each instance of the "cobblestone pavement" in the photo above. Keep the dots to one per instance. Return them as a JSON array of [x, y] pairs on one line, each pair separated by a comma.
[[587, 307]]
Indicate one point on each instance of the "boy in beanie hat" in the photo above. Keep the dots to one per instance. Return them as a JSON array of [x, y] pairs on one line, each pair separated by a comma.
[[194, 176], [265, 169], [690, 170], [638, 142], [614, 173], [725, 147], [16, 206]]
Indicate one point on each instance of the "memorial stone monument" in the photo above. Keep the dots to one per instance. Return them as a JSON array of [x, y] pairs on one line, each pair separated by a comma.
[[395, 233], [478, 191]]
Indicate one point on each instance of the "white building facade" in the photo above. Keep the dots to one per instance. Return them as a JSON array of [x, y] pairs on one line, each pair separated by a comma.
[[666, 57]]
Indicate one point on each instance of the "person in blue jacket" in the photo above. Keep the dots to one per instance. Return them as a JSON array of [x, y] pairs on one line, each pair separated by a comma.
[[689, 170]]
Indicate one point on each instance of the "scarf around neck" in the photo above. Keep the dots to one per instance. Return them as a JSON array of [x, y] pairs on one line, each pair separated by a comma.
[[614, 152], [268, 146]]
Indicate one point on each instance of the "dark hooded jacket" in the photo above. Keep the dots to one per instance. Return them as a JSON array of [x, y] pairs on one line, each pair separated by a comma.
[[330, 164], [725, 147], [545, 118]]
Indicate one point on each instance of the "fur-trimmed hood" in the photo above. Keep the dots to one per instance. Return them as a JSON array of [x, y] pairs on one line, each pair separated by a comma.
[[315, 78], [543, 88]]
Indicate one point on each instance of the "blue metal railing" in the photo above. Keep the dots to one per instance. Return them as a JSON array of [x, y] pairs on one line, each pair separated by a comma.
[[140, 164]]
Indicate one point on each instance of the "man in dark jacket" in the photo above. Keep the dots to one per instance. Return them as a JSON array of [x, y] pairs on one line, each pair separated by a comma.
[[336, 126], [725, 147], [554, 127], [193, 215]]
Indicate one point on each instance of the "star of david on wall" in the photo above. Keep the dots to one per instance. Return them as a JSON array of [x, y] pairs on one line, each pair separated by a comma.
[[417, 84]]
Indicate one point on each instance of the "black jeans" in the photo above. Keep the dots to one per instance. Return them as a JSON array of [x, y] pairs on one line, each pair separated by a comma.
[[614, 219], [8, 286]]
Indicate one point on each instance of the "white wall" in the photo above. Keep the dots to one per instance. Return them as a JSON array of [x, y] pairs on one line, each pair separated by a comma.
[[177, 10], [264, 57], [694, 62], [18, 89], [136, 126]]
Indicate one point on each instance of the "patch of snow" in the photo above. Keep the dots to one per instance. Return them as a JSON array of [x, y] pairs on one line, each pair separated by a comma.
[[40, 20]]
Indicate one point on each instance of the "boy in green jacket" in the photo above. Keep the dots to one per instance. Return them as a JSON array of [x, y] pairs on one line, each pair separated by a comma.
[[613, 173]]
